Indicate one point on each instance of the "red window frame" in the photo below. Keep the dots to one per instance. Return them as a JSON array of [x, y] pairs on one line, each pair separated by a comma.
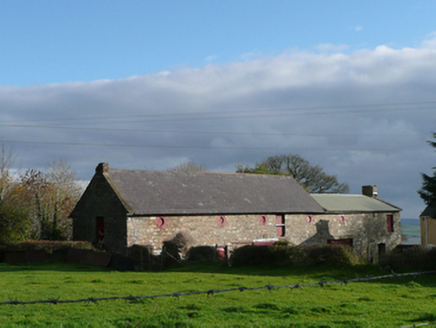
[[390, 223], [347, 242], [221, 221], [263, 220], [309, 219], [342, 219], [280, 225], [161, 222]]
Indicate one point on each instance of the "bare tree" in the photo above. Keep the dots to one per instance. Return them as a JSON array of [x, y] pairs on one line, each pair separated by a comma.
[[6, 161], [189, 167], [64, 194]]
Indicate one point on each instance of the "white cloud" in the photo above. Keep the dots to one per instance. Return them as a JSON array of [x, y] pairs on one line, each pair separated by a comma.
[[210, 58], [331, 48], [364, 116]]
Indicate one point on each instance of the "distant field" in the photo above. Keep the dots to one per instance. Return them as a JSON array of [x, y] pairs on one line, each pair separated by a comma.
[[384, 303]]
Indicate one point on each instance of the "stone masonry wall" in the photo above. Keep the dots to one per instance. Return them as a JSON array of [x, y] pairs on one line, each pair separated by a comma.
[[100, 201], [204, 230], [366, 230]]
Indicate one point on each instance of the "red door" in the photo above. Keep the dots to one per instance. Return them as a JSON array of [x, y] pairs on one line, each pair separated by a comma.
[[100, 229], [280, 225]]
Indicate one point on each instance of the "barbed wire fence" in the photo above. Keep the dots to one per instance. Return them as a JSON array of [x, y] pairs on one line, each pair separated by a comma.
[[211, 292]]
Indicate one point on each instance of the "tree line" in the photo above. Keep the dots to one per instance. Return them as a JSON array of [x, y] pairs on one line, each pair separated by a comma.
[[35, 205]]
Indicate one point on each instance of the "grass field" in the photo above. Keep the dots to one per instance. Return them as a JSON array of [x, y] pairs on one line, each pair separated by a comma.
[[384, 303]]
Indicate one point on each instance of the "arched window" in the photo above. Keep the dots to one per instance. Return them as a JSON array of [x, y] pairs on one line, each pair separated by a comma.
[[263, 220], [221, 221], [161, 222], [342, 219], [308, 219]]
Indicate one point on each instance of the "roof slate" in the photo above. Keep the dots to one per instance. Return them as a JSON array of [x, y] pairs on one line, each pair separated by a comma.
[[429, 212], [353, 203], [172, 193]]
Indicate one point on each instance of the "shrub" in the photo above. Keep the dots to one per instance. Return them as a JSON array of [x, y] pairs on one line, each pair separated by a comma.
[[251, 255], [413, 258], [281, 255], [326, 254], [202, 254]]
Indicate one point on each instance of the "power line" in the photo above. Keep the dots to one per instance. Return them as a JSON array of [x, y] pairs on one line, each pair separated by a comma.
[[207, 132], [250, 116], [250, 111], [53, 143]]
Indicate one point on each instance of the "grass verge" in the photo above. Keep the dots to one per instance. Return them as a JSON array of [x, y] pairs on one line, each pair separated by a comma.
[[385, 303]]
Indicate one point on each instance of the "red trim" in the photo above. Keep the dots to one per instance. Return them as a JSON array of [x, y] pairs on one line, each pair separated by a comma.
[[390, 223], [263, 220], [221, 221], [341, 242], [280, 225], [342, 219], [308, 219], [161, 222]]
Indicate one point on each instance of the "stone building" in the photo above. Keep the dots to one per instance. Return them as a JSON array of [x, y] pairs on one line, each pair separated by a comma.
[[121, 208], [365, 222]]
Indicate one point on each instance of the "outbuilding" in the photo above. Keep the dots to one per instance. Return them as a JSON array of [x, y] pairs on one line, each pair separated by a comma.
[[121, 208]]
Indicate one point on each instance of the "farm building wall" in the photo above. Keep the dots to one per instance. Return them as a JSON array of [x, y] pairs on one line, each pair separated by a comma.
[[100, 209], [367, 232]]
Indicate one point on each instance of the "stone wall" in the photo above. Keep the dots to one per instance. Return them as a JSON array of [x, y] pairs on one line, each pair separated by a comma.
[[367, 231], [203, 230], [100, 200]]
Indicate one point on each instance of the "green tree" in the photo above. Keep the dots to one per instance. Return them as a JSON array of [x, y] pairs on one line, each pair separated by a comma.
[[428, 189], [14, 221], [37, 204], [312, 178]]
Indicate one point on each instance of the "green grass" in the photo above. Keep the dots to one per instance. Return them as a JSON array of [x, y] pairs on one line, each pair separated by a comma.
[[384, 303]]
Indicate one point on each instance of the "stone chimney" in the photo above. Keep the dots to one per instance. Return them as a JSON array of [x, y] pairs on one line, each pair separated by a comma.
[[102, 168], [370, 191]]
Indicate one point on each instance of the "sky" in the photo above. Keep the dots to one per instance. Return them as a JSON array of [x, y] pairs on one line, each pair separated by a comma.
[[348, 85]]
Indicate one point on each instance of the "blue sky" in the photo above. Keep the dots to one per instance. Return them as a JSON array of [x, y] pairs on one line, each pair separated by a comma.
[[63, 41], [348, 85]]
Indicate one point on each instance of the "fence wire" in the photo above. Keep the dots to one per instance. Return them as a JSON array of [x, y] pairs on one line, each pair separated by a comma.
[[211, 292]]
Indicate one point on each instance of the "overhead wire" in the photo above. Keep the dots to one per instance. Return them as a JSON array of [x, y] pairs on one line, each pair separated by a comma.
[[202, 147], [301, 111], [249, 111], [205, 132]]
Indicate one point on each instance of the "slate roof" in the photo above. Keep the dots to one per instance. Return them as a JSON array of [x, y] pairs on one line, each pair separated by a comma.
[[429, 212], [175, 193], [353, 203]]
